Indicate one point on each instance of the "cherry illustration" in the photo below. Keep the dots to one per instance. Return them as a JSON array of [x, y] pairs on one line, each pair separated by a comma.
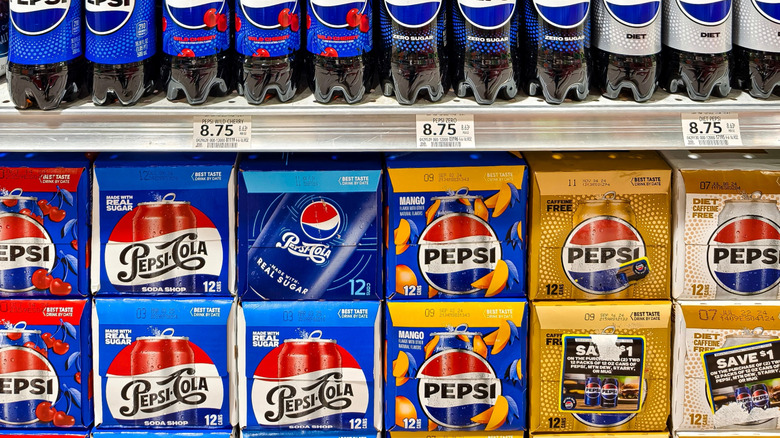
[[164, 24], [59, 287], [353, 18], [61, 419], [77, 377], [74, 244], [222, 23], [261, 53], [210, 18], [294, 23], [14, 336], [60, 347], [10, 202], [25, 211], [238, 23], [187, 53], [330, 52], [41, 279], [365, 24], [284, 17], [308, 22], [45, 412], [47, 339], [30, 345], [44, 206], [56, 214]]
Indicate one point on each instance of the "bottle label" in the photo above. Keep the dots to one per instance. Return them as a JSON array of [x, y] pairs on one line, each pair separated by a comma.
[[485, 26], [268, 28], [120, 31], [757, 25], [558, 25], [3, 35], [415, 26], [339, 28], [698, 26], [44, 32], [627, 27], [195, 27]]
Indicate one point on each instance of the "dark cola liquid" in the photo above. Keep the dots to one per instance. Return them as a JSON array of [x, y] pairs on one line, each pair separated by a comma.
[[613, 73], [757, 72], [260, 78], [348, 77], [701, 75], [125, 83], [46, 86], [196, 78]]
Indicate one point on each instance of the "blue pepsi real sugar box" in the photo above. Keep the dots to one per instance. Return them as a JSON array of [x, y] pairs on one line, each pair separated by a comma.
[[309, 227]]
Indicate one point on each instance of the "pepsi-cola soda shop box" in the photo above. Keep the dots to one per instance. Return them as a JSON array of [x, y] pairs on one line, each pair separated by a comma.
[[45, 364], [164, 363], [600, 367], [456, 225], [163, 224], [44, 225], [726, 225], [726, 366], [456, 366], [310, 366], [600, 226], [309, 226]]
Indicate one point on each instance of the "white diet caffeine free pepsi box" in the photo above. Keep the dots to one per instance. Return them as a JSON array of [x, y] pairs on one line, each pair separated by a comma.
[[163, 225], [310, 367], [309, 226], [164, 363]]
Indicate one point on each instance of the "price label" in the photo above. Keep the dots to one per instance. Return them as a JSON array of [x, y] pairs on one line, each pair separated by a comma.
[[445, 131], [711, 129], [229, 132]]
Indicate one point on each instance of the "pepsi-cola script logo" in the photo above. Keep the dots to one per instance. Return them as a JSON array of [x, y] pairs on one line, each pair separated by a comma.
[[27, 379], [327, 392], [189, 13], [333, 13], [770, 9], [316, 252], [108, 16], [25, 247], [634, 13], [265, 13], [743, 255], [185, 252], [37, 17], [564, 14], [487, 14], [455, 381], [413, 13], [455, 250], [153, 396], [706, 12]]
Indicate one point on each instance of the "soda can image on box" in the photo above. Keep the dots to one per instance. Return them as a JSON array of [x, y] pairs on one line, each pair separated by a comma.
[[310, 367], [456, 366], [44, 225]]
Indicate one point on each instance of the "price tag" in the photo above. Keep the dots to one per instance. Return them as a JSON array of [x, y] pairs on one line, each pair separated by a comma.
[[452, 131], [711, 129], [229, 132]]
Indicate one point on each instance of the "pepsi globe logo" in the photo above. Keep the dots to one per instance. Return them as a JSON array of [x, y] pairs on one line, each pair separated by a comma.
[[320, 220], [456, 385], [594, 251], [189, 14], [333, 13], [108, 16], [770, 9], [37, 17], [265, 13], [455, 250], [29, 379], [25, 247], [565, 14], [706, 12], [634, 13], [413, 13], [487, 14], [743, 255]]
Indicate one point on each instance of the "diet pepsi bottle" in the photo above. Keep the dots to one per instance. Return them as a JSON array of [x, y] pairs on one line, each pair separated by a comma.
[[3, 35], [268, 38], [196, 43], [486, 48], [45, 63], [558, 46], [757, 46], [627, 46], [121, 41], [339, 47], [414, 49], [697, 47]]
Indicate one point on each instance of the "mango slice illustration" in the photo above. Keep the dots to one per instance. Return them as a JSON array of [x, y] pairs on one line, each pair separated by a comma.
[[507, 332], [499, 414], [481, 210], [503, 201], [484, 282], [498, 282], [491, 201], [404, 409], [401, 236], [465, 201], [484, 416], [432, 292], [401, 365], [430, 346], [430, 213], [404, 276], [479, 346], [490, 338], [432, 425]]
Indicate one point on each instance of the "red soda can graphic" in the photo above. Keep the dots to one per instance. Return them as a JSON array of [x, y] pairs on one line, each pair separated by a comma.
[[309, 383]]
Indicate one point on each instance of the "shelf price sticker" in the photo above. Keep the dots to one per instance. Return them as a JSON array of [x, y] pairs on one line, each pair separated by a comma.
[[228, 132], [711, 129], [451, 131]]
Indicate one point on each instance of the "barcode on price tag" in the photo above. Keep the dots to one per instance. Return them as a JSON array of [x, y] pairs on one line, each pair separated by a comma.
[[445, 131], [711, 129], [228, 132]]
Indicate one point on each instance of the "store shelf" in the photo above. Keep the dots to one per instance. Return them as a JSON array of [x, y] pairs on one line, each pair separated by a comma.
[[381, 124]]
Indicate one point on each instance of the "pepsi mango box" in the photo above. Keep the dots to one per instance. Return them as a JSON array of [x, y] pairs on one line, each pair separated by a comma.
[[164, 224], [456, 366], [600, 367], [164, 363], [727, 225], [44, 225], [45, 364], [310, 366], [309, 226], [600, 226], [456, 225]]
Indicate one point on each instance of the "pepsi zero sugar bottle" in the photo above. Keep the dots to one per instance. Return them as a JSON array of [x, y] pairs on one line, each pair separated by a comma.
[[3, 35], [45, 42], [557, 38], [757, 46], [486, 48], [414, 49], [121, 41], [627, 46], [697, 47], [268, 38], [196, 43], [339, 49]]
